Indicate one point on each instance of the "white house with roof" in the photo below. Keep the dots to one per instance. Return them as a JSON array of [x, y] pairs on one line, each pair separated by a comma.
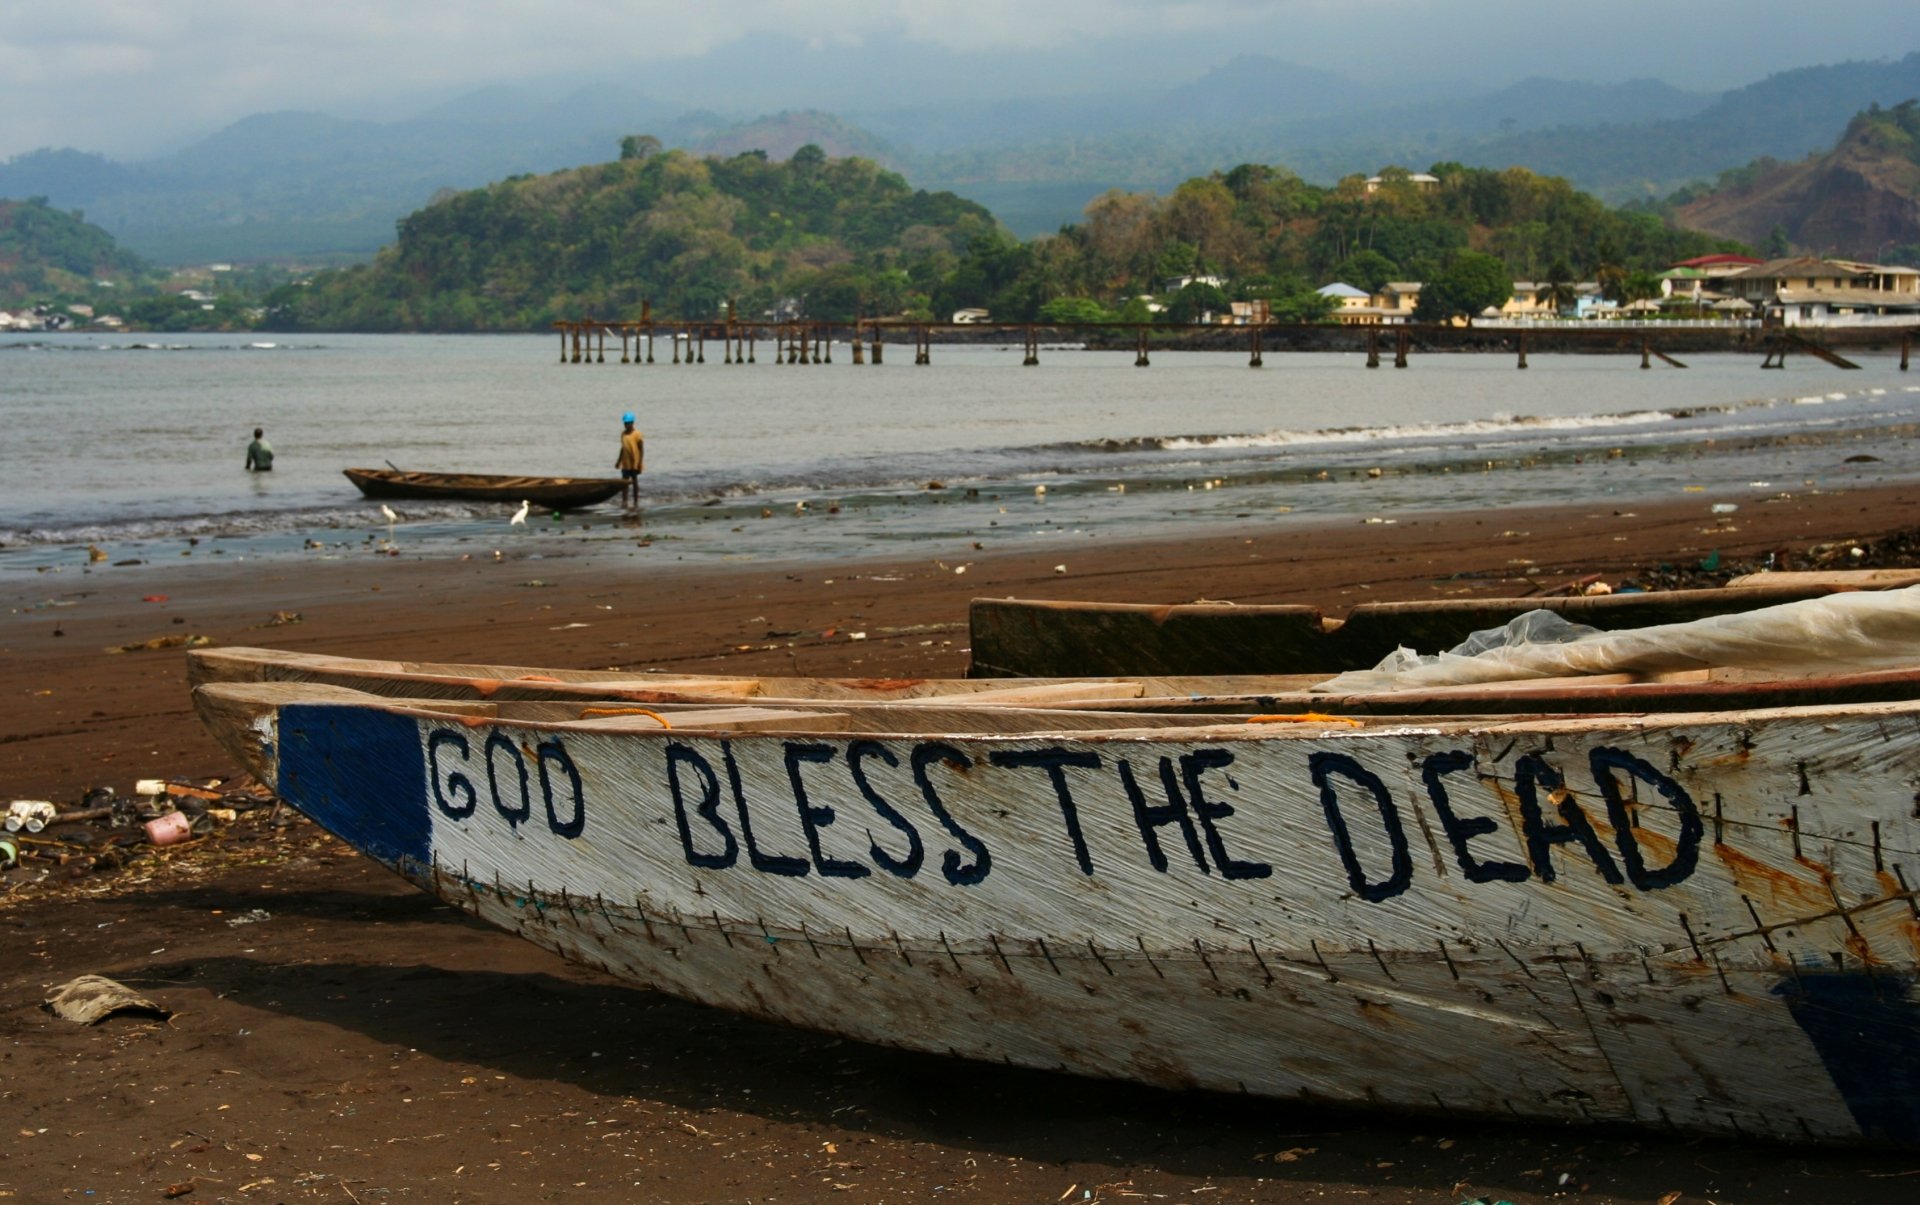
[[1422, 181], [1173, 284], [1356, 306]]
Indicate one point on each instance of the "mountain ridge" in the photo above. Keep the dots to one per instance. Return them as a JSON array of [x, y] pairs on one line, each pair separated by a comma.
[[307, 185], [1856, 201]]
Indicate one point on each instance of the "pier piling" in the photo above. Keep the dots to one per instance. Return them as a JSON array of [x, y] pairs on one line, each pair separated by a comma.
[[806, 341]]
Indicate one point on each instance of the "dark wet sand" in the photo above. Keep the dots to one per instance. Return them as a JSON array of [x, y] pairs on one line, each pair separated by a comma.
[[367, 1044]]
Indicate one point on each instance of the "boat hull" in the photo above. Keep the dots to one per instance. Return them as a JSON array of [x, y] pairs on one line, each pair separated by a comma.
[[1702, 922], [547, 493]]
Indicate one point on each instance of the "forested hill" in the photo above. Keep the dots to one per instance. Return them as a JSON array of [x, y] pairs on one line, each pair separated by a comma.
[[687, 233], [838, 239], [1859, 200], [1273, 237], [45, 251]]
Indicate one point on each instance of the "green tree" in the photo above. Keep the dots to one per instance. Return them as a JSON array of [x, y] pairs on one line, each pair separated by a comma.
[[1196, 300], [639, 146], [1560, 292], [1074, 309], [1640, 286], [1302, 305], [1367, 270], [1473, 282]]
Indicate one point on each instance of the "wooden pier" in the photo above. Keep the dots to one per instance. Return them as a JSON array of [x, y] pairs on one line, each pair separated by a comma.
[[650, 340]]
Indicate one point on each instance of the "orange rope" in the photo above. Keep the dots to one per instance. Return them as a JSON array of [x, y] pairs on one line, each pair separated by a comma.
[[593, 712], [1305, 717]]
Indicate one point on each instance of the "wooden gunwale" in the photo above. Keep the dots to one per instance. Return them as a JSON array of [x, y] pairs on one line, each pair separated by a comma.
[[1702, 691]]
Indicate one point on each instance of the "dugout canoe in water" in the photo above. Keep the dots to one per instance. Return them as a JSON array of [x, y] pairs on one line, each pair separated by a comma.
[[1703, 921], [545, 493]]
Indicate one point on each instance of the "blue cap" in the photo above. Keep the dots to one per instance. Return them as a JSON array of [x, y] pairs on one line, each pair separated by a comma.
[[627, 417]]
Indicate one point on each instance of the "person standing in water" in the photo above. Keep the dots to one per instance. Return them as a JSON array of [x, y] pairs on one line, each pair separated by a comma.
[[632, 459], [259, 453]]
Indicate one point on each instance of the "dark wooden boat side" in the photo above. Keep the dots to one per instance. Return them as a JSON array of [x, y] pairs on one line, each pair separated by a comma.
[[1032, 638], [554, 493]]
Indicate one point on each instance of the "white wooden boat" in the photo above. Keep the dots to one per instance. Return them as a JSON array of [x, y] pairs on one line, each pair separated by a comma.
[[1704, 921]]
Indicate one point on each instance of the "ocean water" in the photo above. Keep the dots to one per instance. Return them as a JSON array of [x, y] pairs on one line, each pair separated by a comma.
[[135, 444]]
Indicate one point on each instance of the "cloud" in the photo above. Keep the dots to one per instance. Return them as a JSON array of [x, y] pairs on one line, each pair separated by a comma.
[[125, 75]]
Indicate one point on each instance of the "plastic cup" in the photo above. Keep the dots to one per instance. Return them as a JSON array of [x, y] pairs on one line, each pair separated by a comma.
[[165, 830]]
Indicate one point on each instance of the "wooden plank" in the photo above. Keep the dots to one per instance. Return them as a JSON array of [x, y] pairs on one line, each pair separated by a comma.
[[1051, 693], [712, 719], [1836, 579]]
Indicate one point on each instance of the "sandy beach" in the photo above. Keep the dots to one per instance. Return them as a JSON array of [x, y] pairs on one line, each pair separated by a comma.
[[360, 1042]]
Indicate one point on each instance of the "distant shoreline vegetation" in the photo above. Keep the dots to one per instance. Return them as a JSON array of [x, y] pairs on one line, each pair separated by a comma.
[[839, 239]]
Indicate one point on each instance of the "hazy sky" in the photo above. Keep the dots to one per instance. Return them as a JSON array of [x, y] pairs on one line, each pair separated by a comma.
[[133, 78]]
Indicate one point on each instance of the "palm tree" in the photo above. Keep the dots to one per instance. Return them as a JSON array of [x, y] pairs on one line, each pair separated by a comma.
[[1612, 279], [1559, 293]]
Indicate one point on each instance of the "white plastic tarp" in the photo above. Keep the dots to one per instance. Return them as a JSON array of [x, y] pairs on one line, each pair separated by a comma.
[[1860, 630]]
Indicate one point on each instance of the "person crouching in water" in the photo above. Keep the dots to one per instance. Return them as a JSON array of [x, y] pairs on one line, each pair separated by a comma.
[[259, 453], [631, 461]]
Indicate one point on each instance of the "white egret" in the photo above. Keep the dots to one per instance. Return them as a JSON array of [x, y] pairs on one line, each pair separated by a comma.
[[520, 516], [392, 518]]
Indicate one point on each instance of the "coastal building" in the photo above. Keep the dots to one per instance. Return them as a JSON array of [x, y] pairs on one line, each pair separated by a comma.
[[1173, 284], [1356, 306], [1532, 299], [1703, 278], [1422, 181], [1589, 301], [1257, 312], [1807, 291], [1396, 300]]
